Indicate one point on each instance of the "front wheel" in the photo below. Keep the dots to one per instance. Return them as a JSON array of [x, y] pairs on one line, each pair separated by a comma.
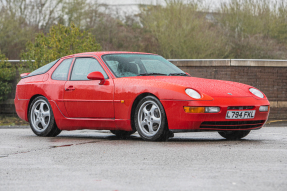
[[41, 118], [150, 119], [233, 135]]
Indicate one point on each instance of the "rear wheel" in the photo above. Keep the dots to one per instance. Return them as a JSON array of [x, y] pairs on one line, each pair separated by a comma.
[[41, 118], [150, 120], [233, 135]]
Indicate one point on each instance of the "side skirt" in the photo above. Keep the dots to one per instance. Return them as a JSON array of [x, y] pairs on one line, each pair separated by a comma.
[[66, 123]]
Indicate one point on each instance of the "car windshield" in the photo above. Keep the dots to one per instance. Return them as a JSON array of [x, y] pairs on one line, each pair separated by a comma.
[[125, 65]]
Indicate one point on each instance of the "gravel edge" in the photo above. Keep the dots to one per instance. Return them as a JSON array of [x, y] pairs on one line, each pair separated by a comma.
[[15, 127]]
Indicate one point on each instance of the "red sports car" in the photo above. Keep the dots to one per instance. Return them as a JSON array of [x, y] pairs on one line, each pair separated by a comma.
[[126, 92]]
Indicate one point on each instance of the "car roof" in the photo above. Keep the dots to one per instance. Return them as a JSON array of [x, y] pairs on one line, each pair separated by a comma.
[[99, 54]]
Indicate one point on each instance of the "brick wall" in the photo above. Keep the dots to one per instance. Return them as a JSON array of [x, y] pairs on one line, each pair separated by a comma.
[[268, 80], [270, 76]]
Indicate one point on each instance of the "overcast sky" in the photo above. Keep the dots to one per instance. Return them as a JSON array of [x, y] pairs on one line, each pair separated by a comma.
[[213, 3], [132, 8], [148, 1]]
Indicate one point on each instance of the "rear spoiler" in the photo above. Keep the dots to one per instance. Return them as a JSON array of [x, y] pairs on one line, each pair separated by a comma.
[[24, 75]]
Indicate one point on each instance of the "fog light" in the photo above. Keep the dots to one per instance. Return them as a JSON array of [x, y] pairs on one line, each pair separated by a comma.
[[264, 108], [212, 109], [194, 109]]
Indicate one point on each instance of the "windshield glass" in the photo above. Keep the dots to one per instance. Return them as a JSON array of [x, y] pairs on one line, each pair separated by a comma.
[[125, 65]]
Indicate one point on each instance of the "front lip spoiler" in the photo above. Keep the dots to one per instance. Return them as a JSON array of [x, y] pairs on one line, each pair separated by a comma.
[[201, 130]]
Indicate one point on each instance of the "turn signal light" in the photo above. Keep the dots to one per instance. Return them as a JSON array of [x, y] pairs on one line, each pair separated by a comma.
[[264, 108], [201, 109], [194, 109]]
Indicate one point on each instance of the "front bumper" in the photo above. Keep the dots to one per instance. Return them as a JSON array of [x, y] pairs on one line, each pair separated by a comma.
[[179, 120]]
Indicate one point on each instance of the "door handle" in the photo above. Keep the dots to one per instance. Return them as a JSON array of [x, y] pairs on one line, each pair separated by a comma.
[[70, 88]]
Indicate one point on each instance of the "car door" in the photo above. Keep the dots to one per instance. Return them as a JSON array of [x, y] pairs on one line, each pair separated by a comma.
[[57, 84], [85, 98]]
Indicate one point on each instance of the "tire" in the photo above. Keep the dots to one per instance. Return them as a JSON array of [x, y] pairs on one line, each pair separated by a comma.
[[233, 135], [122, 134], [150, 120], [41, 118]]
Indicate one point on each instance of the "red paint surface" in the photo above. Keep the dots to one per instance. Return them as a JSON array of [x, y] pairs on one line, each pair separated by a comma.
[[89, 105]]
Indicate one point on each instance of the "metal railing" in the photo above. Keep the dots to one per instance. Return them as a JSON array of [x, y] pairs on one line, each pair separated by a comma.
[[13, 61], [215, 62]]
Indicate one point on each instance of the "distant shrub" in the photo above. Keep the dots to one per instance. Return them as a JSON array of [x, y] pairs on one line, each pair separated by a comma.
[[255, 28], [183, 31], [7, 74], [59, 42]]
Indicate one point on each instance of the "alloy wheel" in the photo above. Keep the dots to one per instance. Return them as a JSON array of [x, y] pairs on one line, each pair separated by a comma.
[[149, 118], [40, 115]]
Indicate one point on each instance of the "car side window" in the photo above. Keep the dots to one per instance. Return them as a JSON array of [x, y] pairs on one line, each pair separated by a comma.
[[83, 66], [62, 71], [124, 69]]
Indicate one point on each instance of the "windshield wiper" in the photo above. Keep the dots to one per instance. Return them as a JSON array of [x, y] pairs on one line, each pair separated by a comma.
[[151, 74], [178, 74]]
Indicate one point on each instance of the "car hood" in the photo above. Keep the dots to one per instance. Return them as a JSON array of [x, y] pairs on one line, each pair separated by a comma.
[[214, 88]]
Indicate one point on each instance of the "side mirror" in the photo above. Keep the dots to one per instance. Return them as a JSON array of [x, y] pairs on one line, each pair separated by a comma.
[[97, 76]]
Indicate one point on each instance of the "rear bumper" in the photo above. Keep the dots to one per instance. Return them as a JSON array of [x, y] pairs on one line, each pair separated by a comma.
[[21, 106], [179, 120]]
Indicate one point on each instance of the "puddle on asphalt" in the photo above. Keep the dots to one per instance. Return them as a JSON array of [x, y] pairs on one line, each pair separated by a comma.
[[61, 146], [68, 145], [65, 139]]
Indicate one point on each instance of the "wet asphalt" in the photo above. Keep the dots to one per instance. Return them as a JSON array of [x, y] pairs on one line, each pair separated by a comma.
[[97, 160]]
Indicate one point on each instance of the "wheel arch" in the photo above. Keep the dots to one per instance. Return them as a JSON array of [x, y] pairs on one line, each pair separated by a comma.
[[135, 103], [31, 100]]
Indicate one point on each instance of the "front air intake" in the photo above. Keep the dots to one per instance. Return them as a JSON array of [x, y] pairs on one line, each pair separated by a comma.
[[231, 124]]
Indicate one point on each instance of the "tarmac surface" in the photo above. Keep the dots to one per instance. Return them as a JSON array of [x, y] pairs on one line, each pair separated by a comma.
[[97, 160]]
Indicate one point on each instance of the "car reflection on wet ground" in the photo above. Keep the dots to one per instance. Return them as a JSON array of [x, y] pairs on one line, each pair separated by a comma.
[[98, 160]]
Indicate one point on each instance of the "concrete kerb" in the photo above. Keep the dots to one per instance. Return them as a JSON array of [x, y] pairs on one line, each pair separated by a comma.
[[278, 104], [254, 62], [229, 62], [200, 62]]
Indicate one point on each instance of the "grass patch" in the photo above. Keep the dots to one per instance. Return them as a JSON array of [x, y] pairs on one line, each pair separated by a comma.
[[11, 121]]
